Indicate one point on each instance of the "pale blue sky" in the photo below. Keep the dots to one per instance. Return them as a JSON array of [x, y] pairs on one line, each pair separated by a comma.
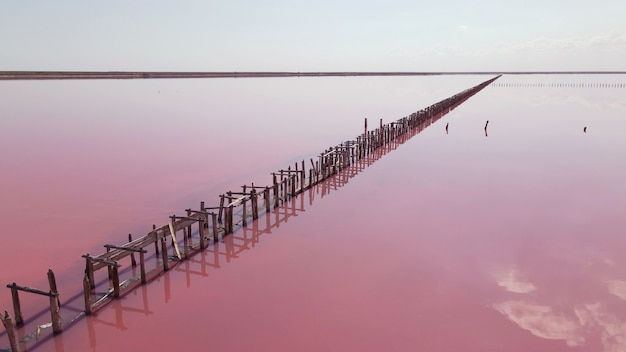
[[323, 35]]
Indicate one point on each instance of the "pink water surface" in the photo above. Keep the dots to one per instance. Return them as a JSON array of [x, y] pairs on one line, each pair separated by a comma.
[[450, 241]]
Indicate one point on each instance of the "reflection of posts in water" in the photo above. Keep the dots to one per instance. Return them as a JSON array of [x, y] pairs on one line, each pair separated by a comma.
[[91, 330], [166, 286], [120, 310], [58, 343], [187, 274]]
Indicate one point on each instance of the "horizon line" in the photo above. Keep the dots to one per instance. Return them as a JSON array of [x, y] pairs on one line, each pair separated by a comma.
[[43, 75]]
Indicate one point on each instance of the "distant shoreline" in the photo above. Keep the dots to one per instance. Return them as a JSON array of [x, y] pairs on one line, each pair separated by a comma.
[[63, 75]]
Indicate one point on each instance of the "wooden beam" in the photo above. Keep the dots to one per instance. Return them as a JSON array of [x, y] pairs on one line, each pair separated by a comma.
[[125, 248], [32, 290], [102, 261]]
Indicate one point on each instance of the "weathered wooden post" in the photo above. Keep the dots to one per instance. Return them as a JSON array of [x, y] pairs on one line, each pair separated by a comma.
[[189, 228], [255, 205], [108, 267], [201, 223], [275, 185], [89, 270], [10, 328], [116, 281], [132, 255], [244, 221], [142, 267], [203, 209], [230, 215], [17, 309], [53, 283], [55, 314], [219, 216], [214, 223], [266, 197], [166, 264], [87, 294], [302, 176], [156, 240], [185, 239]]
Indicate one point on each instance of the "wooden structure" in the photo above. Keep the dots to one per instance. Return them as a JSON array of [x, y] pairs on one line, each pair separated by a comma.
[[208, 225]]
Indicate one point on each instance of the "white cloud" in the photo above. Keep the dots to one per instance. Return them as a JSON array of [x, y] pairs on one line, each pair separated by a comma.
[[609, 41], [595, 52]]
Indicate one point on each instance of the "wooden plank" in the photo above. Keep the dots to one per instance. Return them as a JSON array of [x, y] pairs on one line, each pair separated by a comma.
[[173, 233]]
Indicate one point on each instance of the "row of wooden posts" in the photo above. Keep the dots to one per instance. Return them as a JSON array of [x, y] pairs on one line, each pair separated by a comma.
[[214, 222], [559, 85]]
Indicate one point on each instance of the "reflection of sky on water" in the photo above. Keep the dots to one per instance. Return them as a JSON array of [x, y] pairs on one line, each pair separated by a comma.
[[452, 241]]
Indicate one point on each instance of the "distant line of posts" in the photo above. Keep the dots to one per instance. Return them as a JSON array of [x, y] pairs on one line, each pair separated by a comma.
[[559, 85]]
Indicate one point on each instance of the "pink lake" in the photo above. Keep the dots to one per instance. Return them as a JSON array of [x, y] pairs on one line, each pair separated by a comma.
[[449, 241]]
